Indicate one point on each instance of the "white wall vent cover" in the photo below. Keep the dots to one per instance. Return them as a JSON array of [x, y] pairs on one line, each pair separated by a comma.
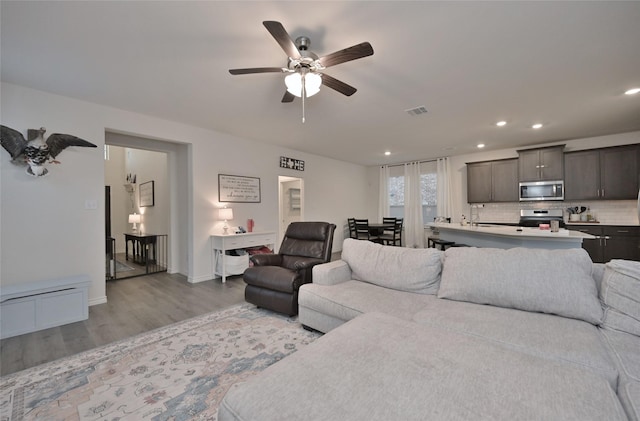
[[417, 111]]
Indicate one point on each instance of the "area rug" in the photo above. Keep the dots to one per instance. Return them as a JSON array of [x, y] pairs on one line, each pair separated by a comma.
[[179, 372], [121, 267]]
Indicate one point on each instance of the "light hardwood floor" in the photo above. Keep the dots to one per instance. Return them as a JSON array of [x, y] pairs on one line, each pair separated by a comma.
[[133, 306]]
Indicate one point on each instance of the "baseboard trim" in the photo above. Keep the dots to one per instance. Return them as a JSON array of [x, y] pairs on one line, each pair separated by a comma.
[[99, 300], [197, 279]]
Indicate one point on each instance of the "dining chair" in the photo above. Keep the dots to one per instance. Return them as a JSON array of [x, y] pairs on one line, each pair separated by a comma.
[[397, 235], [387, 233], [362, 230], [352, 228], [392, 236]]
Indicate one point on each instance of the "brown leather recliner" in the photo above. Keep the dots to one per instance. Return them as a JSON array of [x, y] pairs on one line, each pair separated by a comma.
[[274, 279]]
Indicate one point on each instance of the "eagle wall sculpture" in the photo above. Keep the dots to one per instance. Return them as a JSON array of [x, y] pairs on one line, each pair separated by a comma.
[[35, 150]]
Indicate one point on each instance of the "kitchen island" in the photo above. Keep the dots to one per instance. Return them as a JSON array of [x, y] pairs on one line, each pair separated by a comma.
[[498, 236]]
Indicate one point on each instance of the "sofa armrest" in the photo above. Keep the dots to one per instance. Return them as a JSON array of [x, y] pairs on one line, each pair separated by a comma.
[[266, 259], [331, 273]]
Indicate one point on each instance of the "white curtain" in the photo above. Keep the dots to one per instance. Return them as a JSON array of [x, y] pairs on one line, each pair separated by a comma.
[[444, 196], [413, 223], [383, 196]]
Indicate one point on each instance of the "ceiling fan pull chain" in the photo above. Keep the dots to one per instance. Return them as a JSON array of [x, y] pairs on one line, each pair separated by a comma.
[[304, 94]]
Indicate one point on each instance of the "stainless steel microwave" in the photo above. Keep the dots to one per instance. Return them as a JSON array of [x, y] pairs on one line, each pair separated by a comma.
[[541, 190]]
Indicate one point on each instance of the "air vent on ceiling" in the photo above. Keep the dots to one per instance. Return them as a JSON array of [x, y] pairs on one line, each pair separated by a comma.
[[417, 111]]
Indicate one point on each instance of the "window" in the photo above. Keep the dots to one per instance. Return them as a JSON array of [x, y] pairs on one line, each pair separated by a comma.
[[428, 186]]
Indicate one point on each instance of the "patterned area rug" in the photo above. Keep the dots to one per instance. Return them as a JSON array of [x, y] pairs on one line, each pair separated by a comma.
[[179, 372]]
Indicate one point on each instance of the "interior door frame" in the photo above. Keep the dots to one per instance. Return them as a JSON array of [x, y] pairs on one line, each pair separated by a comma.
[[282, 226]]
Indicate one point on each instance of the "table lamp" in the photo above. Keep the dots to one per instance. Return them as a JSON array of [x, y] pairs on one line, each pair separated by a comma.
[[225, 214], [135, 219]]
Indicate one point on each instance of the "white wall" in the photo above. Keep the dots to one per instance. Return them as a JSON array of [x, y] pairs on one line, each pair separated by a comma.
[[149, 167], [122, 202], [626, 209], [44, 220]]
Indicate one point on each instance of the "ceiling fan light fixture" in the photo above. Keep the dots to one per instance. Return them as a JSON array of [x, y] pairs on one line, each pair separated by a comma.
[[312, 82]]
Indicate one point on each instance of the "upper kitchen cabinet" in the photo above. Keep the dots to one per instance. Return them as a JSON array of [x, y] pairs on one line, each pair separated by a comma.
[[492, 181], [608, 173], [543, 164]]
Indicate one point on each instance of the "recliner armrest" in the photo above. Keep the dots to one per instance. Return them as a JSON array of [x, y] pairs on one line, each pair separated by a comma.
[[307, 262], [266, 259], [331, 273]]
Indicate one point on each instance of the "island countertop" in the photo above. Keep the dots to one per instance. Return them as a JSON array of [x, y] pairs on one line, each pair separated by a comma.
[[500, 236]]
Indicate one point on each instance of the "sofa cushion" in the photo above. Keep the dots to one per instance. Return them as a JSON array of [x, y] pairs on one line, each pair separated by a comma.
[[399, 268], [378, 367], [626, 351], [629, 394], [620, 292], [548, 281], [567, 341], [350, 299]]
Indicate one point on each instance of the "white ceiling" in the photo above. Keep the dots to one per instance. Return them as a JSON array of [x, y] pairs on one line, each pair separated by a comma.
[[564, 64]]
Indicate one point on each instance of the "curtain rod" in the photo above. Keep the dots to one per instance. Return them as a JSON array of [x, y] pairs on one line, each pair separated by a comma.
[[403, 163]]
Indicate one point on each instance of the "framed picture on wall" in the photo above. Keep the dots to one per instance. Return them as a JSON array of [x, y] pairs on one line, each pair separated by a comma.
[[147, 194], [237, 188]]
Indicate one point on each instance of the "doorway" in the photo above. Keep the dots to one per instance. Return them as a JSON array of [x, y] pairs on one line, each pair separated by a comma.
[[291, 195], [166, 207], [139, 211]]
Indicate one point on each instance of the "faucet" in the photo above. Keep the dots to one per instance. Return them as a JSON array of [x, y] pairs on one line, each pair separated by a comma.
[[474, 216]]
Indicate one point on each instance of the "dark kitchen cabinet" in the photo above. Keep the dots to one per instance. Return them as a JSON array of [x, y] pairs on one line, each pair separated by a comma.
[[492, 181], [607, 173], [541, 164], [621, 243], [479, 182], [593, 246], [611, 242]]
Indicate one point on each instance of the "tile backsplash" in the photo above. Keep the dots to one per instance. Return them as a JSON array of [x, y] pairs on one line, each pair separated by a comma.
[[614, 212]]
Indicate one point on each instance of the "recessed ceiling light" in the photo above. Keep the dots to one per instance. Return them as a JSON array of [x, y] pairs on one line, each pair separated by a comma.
[[632, 91], [536, 126], [387, 153], [481, 145], [501, 123]]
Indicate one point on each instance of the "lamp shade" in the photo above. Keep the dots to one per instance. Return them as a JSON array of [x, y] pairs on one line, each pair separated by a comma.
[[312, 82], [134, 218], [225, 214]]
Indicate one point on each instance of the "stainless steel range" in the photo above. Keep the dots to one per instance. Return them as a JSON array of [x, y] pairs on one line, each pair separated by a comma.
[[535, 217]]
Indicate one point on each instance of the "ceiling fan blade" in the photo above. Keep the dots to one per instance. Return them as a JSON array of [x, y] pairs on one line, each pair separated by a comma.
[[256, 70], [352, 53], [288, 97], [339, 86], [282, 37]]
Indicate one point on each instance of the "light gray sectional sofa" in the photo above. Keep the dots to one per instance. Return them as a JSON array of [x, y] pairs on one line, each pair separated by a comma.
[[470, 333]]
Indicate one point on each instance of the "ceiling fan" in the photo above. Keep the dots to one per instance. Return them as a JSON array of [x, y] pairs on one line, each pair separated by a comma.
[[305, 68]]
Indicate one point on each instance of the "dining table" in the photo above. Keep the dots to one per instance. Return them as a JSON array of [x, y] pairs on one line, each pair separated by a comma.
[[377, 228]]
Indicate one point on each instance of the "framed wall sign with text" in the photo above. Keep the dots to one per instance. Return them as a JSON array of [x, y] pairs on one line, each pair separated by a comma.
[[291, 163], [237, 188], [147, 196]]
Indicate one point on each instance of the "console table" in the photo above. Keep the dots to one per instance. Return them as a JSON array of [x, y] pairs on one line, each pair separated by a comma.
[[141, 244], [221, 243]]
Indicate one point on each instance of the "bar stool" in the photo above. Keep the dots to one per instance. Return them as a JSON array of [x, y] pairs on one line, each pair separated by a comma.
[[434, 242]]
